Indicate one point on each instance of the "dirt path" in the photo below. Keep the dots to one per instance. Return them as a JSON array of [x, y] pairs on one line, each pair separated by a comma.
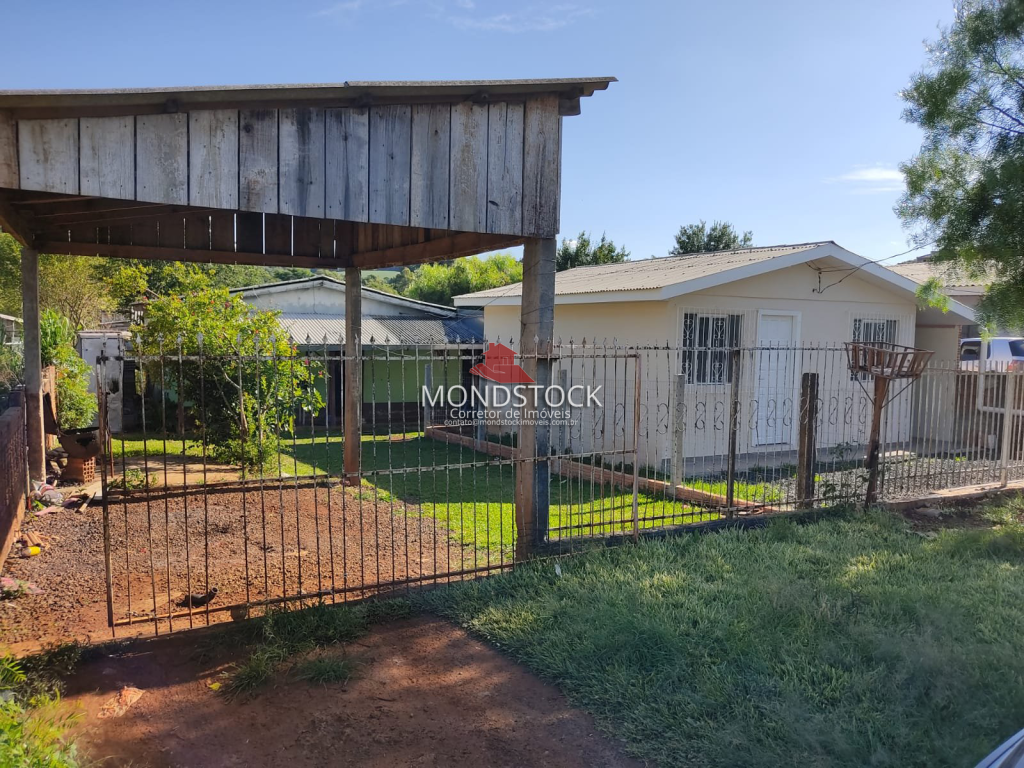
[[425, 694], [249, 546]]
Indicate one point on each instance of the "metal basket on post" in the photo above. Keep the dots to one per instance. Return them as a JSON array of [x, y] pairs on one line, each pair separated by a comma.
[[884, 361]]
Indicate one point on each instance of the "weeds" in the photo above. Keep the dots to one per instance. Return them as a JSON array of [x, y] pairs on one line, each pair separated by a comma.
[[323, 670], [282, 635], [34, 726]]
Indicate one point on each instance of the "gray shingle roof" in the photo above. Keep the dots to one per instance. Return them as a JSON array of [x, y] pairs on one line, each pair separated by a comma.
[[383, 330], [650, 274]]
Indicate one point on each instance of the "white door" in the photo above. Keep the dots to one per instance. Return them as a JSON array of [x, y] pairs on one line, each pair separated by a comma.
[[775, 376]]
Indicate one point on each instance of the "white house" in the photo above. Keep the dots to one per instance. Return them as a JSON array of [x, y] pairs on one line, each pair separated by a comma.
[[402, 336], [781, 304]]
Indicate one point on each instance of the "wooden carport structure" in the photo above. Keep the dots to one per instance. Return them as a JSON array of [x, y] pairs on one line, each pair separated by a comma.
[[356, 175]]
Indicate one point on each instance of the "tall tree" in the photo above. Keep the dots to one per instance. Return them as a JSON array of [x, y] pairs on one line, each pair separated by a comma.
[[965, 187], [70, 285], [439, 282], [700, 238], [581, 252]]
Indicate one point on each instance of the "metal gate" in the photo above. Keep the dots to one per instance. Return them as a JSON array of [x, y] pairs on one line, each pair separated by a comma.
[[225, 492]]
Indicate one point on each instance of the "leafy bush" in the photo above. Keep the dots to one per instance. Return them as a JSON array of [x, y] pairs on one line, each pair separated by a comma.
[[248, 382], [76, 406], [34, 731]]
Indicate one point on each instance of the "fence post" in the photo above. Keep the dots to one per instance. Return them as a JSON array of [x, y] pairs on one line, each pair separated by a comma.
[[734, 408], [1006, 446], [678, 428], [807, 445], [875, 440], [637, 382], [428, 386]]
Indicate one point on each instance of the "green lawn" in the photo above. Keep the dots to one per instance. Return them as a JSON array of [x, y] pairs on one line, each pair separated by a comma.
[[475, 502], [846, 642]]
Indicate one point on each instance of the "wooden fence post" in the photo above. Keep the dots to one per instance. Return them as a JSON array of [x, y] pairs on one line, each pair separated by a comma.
[[807, 442], [875, 440]]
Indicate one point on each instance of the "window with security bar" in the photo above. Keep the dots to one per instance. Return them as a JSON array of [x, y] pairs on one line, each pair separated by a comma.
[[707, 341], [874, 330]]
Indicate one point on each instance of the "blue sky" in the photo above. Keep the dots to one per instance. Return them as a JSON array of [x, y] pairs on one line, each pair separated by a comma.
[[782, 117]]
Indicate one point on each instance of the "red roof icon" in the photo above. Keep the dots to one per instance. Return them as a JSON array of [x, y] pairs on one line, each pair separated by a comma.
[[499, 365]]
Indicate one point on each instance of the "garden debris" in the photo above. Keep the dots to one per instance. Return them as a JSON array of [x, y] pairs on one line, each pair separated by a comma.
[[11, 587], [197, 601], [120, 703], [31, 544], [930, 512]]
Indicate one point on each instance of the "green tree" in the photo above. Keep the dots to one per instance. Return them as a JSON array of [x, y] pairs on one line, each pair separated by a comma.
[[76, 406], [438, 283], [581, 252], [71, 285], [965, 187], [700, 238], [244, 380], [378, 283]]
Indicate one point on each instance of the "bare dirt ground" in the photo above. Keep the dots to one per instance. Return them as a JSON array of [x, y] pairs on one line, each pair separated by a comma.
[[259, 547], [424, 694]]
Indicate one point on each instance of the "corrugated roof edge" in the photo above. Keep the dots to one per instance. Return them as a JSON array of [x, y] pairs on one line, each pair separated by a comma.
[[335, 281]]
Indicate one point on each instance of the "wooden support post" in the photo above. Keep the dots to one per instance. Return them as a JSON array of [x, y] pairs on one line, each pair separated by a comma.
[[33, 365], [734, 428], [875, 439], [807, 445], [353, 393], [537, 327]]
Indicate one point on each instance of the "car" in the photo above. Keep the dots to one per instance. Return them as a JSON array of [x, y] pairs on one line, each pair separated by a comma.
[[1001, 353], [1009, 754]]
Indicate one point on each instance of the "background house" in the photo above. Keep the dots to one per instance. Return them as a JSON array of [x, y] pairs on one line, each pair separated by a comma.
[[781, 304], [410, 341]]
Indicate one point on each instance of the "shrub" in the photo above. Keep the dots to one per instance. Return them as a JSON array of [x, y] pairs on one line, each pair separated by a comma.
[[76, 406]]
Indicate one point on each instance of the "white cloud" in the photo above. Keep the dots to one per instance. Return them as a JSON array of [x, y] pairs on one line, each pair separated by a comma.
[[869, 180], [528, 19], [343, 11]]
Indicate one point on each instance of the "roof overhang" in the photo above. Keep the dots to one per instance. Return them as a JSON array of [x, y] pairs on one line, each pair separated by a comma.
[[106, 102], [869, 271]]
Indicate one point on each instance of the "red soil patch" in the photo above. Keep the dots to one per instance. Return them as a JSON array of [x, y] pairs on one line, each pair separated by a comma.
[[424, 694], [282, 542]]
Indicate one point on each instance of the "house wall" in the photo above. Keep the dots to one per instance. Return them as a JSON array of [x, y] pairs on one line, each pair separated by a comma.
[[682, 422]]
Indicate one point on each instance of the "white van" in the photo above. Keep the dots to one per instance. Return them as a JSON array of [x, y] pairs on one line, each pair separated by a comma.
[[1001, 353]]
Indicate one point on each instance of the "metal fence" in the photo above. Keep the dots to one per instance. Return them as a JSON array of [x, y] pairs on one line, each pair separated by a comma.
[[233, 478], [13, 472]]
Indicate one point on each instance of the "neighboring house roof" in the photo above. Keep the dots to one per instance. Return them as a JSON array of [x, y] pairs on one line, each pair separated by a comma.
[[954, 283], [325, 281], [382, 330], [667, 277]]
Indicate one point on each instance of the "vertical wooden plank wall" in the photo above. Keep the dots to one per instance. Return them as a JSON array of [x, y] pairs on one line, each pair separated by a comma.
[[162, 158], [106, 169], [9, 174], [301, 175], [48, 155], [348, 164], [390, 163], [431, 147], [257, 160], [213, 158], [469, 167]]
